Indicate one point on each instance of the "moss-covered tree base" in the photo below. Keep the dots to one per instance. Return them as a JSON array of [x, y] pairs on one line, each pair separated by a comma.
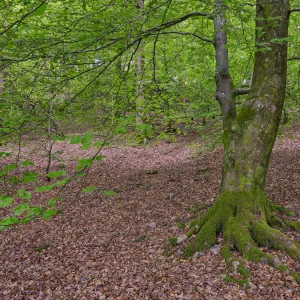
[[246, 220]]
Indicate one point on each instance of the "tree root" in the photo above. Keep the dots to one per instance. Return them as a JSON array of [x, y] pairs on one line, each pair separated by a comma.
[[275, 221], [245, 225]]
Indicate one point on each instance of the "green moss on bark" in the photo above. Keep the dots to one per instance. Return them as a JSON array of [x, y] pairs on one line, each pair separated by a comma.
[[243, 219]]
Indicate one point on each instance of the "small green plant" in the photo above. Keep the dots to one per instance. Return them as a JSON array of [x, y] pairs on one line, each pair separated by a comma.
[[228, 278], [282, 268], [41, 248], [290, 213], [172, 241], [181, 225], [296, 276]]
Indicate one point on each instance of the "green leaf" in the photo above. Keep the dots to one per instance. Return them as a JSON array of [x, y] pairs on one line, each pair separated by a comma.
[[89, 189], [6, 201], [99, 157], [22, 194], [43, 188], [85, 146], [4, 154], [30, 177], [41, 10], [48, 213], [27, 195], [33, 211], [58, 138], [27, 163], [56, 174], [120, 130], [144, 127], [102, 143], [13, 180], [61, 182], [75, 140], [87, 138], [98, 144], [53, 201], [18, 210], [8, 221], [110, 193], [83, 163], [10, 167], [6, 130]]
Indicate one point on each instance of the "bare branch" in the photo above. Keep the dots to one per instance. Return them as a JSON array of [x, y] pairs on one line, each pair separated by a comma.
[[294, 10], [294, 58], [241, 91], [174, 22], [188, 33]]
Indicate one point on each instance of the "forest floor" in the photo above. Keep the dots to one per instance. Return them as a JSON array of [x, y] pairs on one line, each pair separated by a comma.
[[115, 247]]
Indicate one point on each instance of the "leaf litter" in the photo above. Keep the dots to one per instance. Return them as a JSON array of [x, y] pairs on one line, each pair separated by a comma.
[[115, 246]]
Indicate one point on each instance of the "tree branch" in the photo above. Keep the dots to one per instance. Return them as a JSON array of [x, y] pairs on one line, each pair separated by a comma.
[[174, 22], [241, 91], [294, 58], [294, 10], [188, 33]]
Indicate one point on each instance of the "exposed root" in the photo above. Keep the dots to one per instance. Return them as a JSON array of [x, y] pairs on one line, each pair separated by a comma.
[[195, 226], [274, 239], [274, 221], [206, 237], [244, 219]]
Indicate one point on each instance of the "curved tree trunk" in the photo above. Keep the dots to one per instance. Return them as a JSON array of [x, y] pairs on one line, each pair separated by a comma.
[[242, 211]]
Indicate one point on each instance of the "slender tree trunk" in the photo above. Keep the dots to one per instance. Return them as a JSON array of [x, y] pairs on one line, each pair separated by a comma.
[[242, 211], [140, 74]]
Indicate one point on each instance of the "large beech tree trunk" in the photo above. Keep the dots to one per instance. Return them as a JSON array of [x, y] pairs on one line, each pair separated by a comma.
[[242, 211]]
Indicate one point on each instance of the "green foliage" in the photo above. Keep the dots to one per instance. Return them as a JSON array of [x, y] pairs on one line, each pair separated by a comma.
[[89, 189], [296, 276], [20, 209], [75, 140], [110, 193], [53, 201], [56, 174], [48, 213], [5, 201], [172, 241], [41, 248], [181, 225], [22, 194], [8, 221], [30, 177]]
